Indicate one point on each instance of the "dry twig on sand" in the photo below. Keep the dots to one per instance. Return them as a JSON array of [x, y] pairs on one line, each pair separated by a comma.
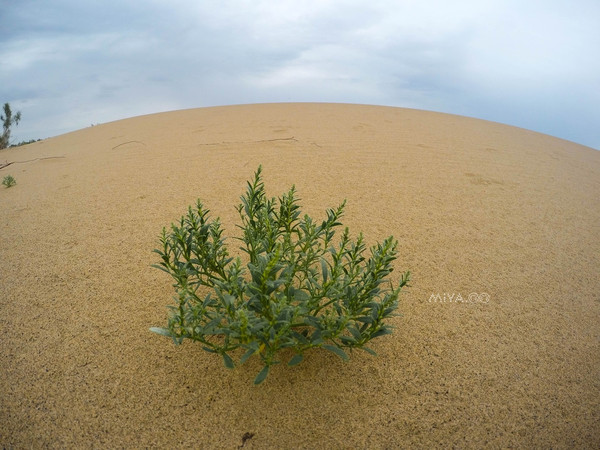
[[7, 163]]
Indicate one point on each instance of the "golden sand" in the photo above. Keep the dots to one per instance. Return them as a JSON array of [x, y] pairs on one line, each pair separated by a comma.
[[478, 208]]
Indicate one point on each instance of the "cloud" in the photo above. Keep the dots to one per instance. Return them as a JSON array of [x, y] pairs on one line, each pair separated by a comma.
[[532, 64]]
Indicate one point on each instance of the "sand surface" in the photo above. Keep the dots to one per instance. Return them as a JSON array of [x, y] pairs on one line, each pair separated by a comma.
[[478, 207]]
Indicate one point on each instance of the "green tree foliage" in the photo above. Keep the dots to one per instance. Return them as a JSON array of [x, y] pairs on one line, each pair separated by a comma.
[[302, 287], [8, 120]]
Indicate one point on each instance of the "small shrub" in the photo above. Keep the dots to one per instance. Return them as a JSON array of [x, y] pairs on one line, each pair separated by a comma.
[[31, 141], [300, 289], [9, 181]]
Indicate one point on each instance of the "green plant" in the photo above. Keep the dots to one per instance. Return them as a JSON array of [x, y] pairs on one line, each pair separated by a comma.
[[9, 181], [7, 121], [300, 288], [19, 144]]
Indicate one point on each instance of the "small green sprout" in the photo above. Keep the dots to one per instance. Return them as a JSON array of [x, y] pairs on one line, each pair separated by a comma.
[[9, 181]]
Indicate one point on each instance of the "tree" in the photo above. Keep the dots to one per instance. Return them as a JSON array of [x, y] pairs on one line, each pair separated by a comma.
[[7, 121]]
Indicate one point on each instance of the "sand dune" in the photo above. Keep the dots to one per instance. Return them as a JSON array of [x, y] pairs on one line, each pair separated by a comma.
[[478, 207]]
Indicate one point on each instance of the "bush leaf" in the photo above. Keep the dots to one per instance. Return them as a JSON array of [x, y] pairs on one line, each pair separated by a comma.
[[338, 351], [162, 331], [369, 350], [228, 361], [262, 375], [297, 359], [247, 355]]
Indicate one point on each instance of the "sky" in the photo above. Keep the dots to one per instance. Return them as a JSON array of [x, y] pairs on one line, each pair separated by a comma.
[[535, 64]]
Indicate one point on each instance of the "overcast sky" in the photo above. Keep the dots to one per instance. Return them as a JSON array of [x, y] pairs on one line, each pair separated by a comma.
[[67, 64]]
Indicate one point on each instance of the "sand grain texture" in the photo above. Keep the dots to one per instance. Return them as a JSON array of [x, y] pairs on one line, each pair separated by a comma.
[[477, 207]]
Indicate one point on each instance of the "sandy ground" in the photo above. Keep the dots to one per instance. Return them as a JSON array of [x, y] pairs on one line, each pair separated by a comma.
[[478, 207]]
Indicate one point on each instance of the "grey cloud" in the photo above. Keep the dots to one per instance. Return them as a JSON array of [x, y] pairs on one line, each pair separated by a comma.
[[69, 63]]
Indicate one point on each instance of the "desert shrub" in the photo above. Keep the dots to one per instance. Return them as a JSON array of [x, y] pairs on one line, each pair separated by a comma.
[[9, 181], [301, 288], [20, 144]]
